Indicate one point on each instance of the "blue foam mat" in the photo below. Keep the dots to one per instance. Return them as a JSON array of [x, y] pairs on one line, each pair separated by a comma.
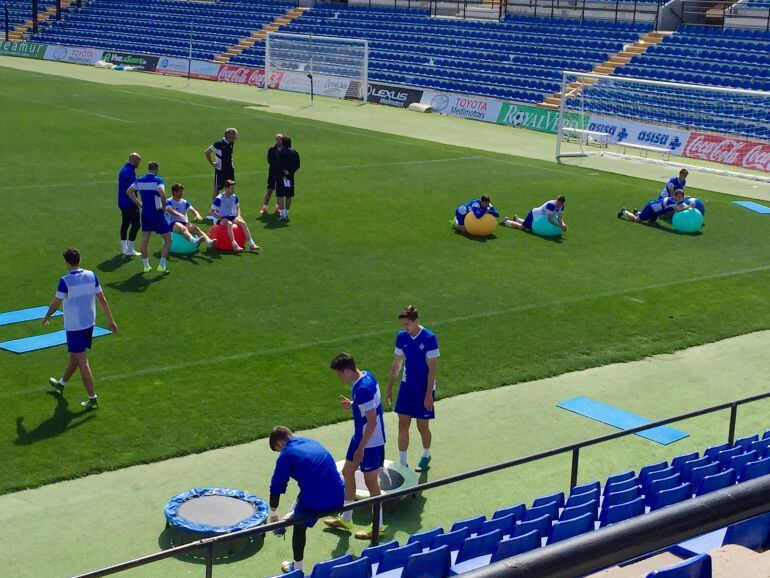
[[752, 206], [22, 315], [620, 419], [26, 344]]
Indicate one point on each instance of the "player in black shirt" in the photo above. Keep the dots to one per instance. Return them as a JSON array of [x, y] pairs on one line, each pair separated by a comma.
[[288, 165], [223, 160], [272, 172]]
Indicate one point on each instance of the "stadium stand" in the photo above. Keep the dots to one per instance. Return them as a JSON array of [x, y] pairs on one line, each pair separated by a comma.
[[477, 542], [20, 15]]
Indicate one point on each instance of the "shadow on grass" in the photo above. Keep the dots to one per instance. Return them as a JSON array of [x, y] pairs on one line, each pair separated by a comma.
[[227, 553], [138, 283], [670, 230], [470, 237], [60, 422], [113, 263], [273, 221]]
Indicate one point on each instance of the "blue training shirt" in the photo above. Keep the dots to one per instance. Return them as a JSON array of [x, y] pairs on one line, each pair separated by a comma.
[[660, 206], [416, 351], [309, 463], [366, 396], [477, 209], [149, 188], [126, 178], [672, 185]]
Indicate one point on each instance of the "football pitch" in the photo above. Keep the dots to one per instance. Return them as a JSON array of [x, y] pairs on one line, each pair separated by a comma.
[[227, 346]]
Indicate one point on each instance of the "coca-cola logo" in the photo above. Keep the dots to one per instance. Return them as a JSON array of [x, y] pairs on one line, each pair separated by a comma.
[[729, 151], [241, 75]]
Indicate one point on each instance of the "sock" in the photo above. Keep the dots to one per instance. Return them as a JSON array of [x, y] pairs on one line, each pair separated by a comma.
[[162, 261], [146, 262], [92, 396], [382, 524], [124, 246], [235, 245], [426, 452], [402, 458], [130, 245], [347, 516], [208, 239], [196, 240], [298, 564], [265, 207], [252, 244]]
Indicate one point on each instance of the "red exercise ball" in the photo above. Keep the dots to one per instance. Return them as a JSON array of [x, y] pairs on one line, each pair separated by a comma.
[[219, 232]]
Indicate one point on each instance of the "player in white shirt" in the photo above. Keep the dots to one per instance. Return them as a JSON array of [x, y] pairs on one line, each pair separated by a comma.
[[226, 209], [177, 208], [77, 294], [552, 210]]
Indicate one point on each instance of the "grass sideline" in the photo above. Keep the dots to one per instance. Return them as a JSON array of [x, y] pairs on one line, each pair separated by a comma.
[[227, 346]]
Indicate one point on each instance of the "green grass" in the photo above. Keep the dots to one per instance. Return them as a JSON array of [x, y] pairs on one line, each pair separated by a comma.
[[227, 346]]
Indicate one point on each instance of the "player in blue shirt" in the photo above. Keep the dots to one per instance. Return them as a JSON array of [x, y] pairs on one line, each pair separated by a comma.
[[367, 446], [674, 184], [417, 353], [321, 487], [553, 210], [152, 190], [77, 294], [479, 207], [656, 208], [128, 210], [177, 208]]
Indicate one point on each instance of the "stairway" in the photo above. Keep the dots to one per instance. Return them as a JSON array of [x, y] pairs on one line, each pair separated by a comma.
[[260, 34], [607, 67], [21, 31]]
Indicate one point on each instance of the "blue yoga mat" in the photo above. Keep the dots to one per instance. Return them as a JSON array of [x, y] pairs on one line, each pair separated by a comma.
[[752, 206], [620, 419], [25, 315], [26, 344]]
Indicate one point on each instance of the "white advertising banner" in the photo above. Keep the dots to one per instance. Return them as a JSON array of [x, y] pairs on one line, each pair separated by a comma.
[[323, 85], [629, 131], [180, 66], [73, 54], [475, 107]]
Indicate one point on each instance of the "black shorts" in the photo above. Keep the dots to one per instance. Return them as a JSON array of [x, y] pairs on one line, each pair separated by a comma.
[[220, 176], [272, 179], [282, 189]]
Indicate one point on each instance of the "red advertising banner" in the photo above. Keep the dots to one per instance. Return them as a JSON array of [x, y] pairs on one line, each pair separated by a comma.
[[241, 75], [728, 151]]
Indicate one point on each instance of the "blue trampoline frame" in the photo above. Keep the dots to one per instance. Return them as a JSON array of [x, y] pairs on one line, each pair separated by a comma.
[[171, 511]]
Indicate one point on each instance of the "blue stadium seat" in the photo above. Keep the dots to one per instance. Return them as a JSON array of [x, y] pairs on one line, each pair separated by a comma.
[[517, 511], [480, 545], [713, 451], [679, 461], [619, 486], [558, 498], [425, 539], [725, 455], [452, 539], [620, 512], [582, 498], [395, 557], [614, 498], [360, 568], [698, 567], [698, 474], [670, 497], [374, 553], [541, 525], [431, 564], [647, 470], [688, 467], [591, 507], [752, 533], [571, 528], [514, 546], [715, 482], [737, 462], [322, 569], [550, 509], [473, 524], [504, 524], [754, 470]]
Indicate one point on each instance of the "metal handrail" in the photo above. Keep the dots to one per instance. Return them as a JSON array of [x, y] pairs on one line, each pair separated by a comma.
[[377, 501]]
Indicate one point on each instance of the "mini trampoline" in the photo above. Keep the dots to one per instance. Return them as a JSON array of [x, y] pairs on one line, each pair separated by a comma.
[[205, 512], [393, 477]]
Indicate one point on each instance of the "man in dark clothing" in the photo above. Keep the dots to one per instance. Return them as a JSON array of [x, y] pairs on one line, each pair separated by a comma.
[[288, 164], [321, 488], [272, 171], [223, 160], [128, 210]]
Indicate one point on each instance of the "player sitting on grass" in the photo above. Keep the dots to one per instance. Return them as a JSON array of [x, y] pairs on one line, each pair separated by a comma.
[[674, 184], [656, 209], [551, 209], [367, 446], [176, 214], [321, 488], [479, 207], [227, 212]]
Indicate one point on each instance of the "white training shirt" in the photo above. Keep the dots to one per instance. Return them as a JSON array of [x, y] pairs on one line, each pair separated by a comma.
[[180, 206], [224, 207], [77, 290], [547, 209]]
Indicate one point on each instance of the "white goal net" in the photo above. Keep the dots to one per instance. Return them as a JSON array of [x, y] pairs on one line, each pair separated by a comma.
[[665, 122], [323, 65]]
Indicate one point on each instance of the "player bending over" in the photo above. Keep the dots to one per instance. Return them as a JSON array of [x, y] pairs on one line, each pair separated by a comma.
[[479, 207], [226, 210], [176, 215], [417, 353], [367, 446], [653, 210], [321, 488], [674, 184], [553, 210]]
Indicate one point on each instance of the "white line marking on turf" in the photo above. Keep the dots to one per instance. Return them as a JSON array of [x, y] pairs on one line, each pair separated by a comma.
[[635, 300], [46, 103]]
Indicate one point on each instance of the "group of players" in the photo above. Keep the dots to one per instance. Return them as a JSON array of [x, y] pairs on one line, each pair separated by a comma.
[[670, 200], [321, 488], [143, 201]]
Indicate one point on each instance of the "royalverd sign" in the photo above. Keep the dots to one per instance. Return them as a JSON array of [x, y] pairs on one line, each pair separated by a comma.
[[536, 118], [23, 49]]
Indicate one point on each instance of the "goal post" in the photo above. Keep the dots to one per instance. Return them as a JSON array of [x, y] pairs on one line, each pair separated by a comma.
[[665, 123], [323, 65]]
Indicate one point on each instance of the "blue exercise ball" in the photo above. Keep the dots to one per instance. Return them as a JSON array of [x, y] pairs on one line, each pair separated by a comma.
[[543, 227], [689, 221], [181, 245]]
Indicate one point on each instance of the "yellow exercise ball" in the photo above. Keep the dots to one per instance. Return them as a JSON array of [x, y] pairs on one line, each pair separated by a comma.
[[482, 227]]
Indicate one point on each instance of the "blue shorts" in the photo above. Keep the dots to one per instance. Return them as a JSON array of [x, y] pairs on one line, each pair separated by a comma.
[[649, 215], [411, 402], [528, 221], [231, 219], [374, 458], [79, 341], [155, 223], [460, 218]]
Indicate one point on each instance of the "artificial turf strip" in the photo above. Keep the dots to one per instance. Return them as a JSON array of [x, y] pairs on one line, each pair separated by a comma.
[[227, 346]]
